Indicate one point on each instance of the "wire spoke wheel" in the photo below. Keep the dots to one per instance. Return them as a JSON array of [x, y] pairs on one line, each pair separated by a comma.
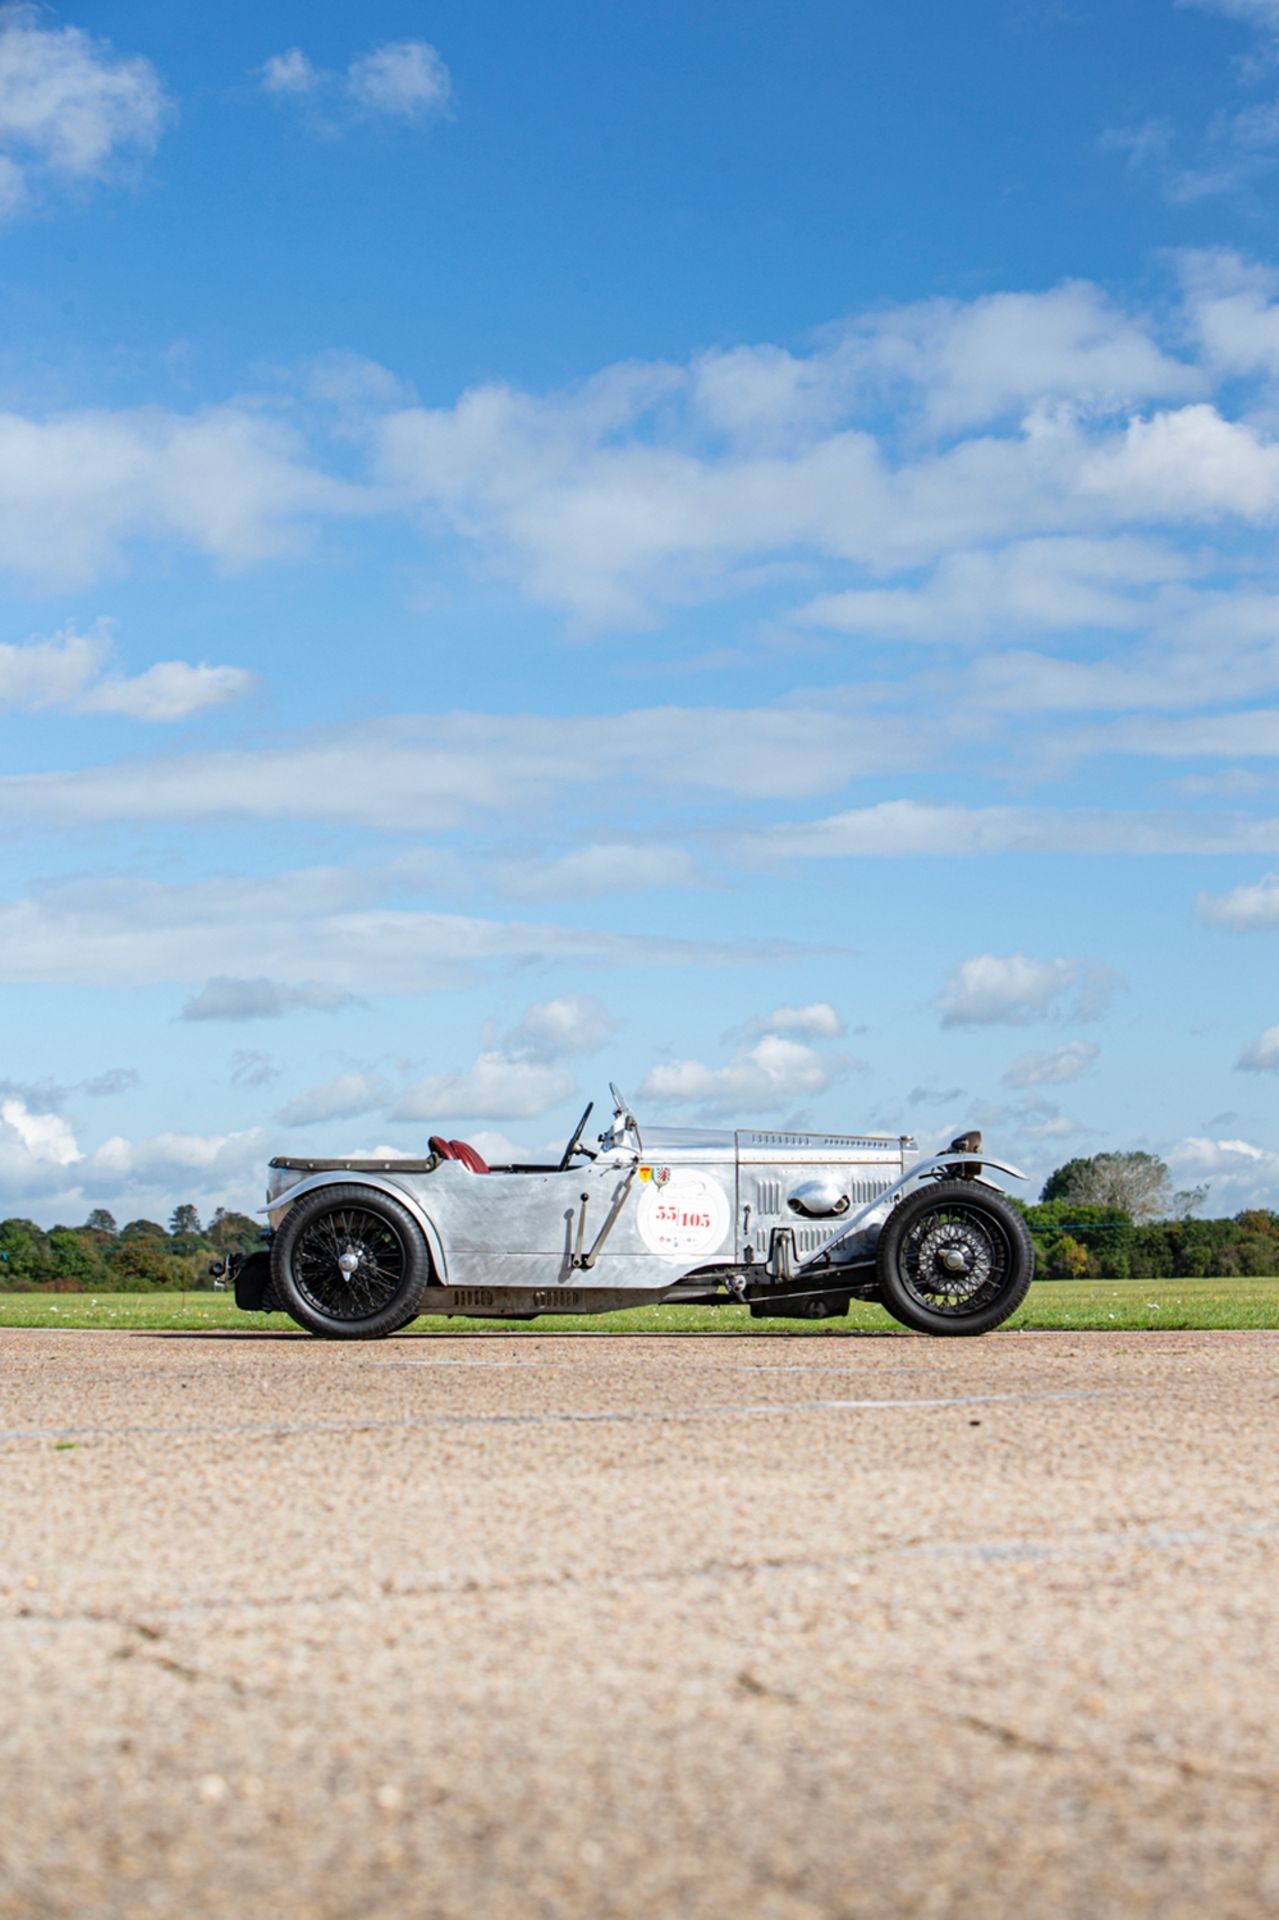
[[954, 1257], [350, 1263], [956, 1260]]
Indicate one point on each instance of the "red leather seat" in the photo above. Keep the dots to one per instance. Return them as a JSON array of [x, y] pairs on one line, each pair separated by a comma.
[[469, 1157], [458, 1150]]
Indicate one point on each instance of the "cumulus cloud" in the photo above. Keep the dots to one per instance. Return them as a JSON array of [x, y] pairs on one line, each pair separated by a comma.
[[43, 1165], [226, 998], [70, 107], [651, 484], [573, 1023], [1054, 1068], [74, 671], [404, 80], [78, 488], [1239, 1173], [1262, 1054], [773, 1072], [290, 73], [341, 1098], [46, 1138], [1014, 989], [523, 1075], [1244, 909], [499, 1086], [817, 1021]]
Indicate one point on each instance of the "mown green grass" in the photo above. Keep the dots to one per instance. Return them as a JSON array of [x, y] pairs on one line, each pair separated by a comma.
[[1076, 1306]]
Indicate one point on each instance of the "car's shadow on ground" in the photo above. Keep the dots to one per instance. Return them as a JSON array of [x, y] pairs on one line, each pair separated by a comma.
[[544, 1333]]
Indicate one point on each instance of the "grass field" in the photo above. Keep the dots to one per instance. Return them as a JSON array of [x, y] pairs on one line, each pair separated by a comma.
[[1075, 1306]]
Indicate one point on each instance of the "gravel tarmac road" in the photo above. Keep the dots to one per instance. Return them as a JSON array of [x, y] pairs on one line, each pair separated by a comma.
[[554, 1626]]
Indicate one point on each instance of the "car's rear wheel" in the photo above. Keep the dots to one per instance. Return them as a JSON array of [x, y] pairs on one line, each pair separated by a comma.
[[350, 1263], [955, 1258]]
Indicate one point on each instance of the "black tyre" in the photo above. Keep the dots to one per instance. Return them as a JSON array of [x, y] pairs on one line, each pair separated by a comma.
[[350, 1263], [955, 1258]]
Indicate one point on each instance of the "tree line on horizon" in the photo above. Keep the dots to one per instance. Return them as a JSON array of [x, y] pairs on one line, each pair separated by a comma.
[[140, 1257]]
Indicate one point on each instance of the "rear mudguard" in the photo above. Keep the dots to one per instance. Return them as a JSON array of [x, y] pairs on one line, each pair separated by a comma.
[[312, 1184], [251, 1273]]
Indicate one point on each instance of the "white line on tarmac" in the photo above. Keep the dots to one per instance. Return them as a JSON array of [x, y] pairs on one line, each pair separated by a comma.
[[651, 1415]]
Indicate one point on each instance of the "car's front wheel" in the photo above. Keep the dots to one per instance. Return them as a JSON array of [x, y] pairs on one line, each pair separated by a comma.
[[350, 1263], [955, 1258]]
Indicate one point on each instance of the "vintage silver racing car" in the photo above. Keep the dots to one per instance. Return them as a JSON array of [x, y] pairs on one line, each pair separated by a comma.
[[790, 1224]]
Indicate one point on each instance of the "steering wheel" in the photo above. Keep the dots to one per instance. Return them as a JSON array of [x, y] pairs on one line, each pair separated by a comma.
[[575, 1143]]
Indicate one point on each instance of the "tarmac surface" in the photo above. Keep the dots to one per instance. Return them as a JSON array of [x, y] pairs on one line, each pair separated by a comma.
[[563, 1626]]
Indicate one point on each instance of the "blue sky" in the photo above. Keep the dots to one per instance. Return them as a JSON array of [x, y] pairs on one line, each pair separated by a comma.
[[730, 549]]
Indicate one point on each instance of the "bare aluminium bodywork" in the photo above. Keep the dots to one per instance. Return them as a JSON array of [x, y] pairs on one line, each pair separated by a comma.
[[795, 1224]]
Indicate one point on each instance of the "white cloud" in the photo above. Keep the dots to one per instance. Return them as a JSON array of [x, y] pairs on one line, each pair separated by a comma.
[[555, 1029], [226, 998], [894, 829], [602, 868], [290, 73], [1238, 1172], [523, 1075], [1053, 585], [74, 671], [654, 484], [1186, 465], [1062, 1064], [1245, 909], [447, 768], [817, 1021], [78, 488], [1262, 1054], [41, 1160], [70, 107], [320, 936], [1013, 989], [499, 1086], [406, 79], [341, 1098], [46, 1137], [401, 80], [202, 1161], [170, 690], [773, 1072]]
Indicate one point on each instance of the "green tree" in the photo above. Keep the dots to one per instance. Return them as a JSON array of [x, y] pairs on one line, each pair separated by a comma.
[[76, 1258], [184, 1222], [143, 1230], [24, 1254], [233, 1232], [141, 1265], [100, 1221], [1137, 1183]]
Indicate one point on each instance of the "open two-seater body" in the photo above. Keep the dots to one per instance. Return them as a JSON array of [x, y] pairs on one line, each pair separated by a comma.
[[795, 1224]]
